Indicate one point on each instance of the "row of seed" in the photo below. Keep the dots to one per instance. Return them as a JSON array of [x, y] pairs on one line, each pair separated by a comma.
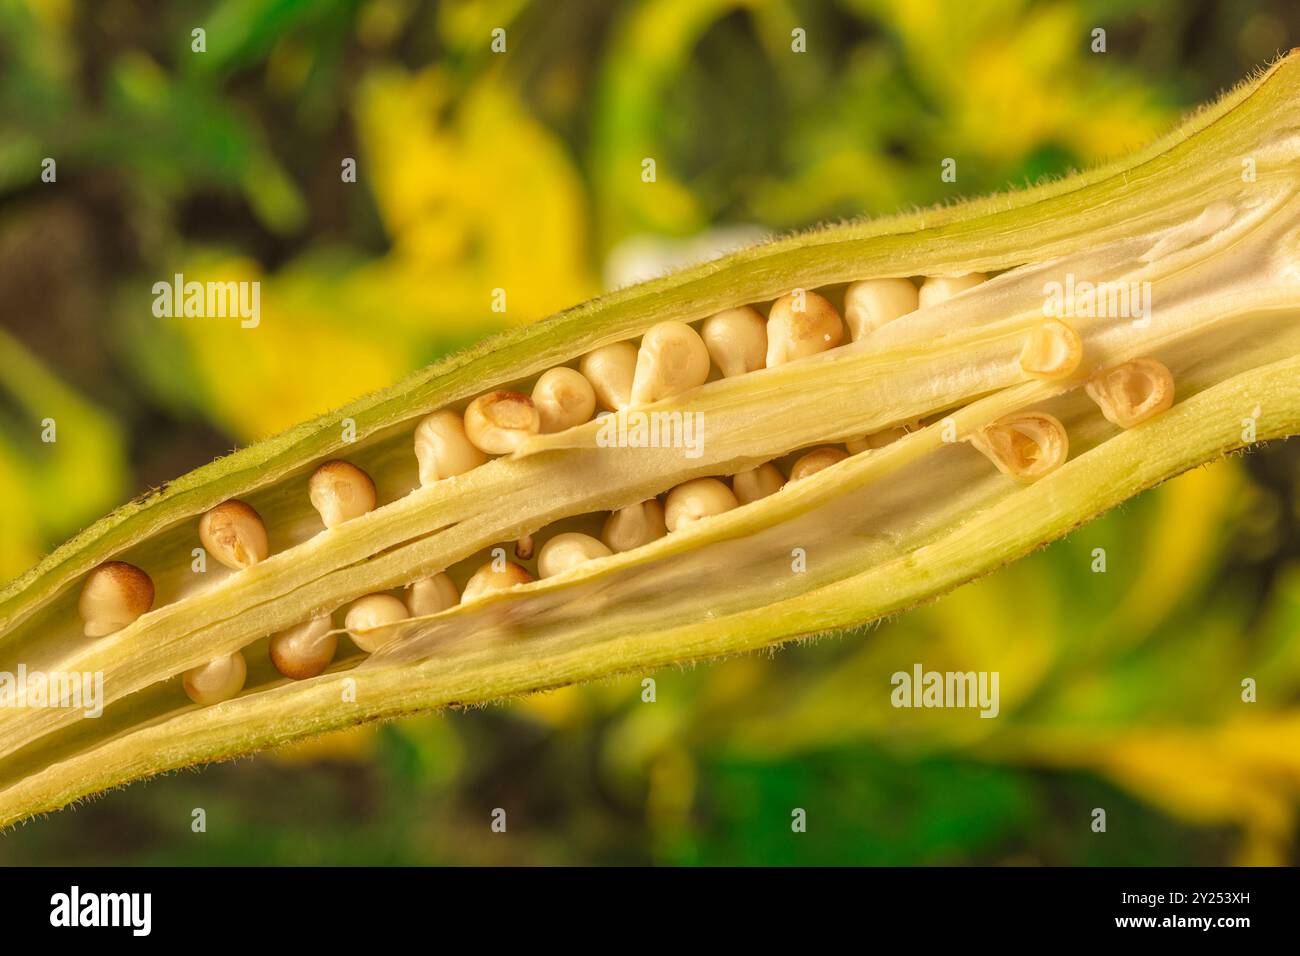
[[672, 358]]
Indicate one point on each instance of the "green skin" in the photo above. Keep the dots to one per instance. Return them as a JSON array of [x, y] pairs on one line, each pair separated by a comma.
[[1215, 246]]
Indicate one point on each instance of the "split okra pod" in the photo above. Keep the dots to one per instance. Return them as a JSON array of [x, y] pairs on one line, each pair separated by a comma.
[[907, 403]]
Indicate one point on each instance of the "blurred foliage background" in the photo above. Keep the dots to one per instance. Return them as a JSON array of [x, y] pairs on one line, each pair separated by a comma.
[[522, 170]]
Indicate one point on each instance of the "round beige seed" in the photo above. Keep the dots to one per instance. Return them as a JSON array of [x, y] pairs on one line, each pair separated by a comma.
[[634, 526], [217, 680], [871, 303], [499, 422], [697, 499], [114, 595], [757, 483], [817, 460], [567, 551], [672, 359], [340, 491], [234, 534], [1131, 393], [488, 579], [1051, 350], [564, 398], [736, 340], [1024, 445], [610, 369], [443, 449], [431, 595], [370, 618], [305, 650], [936, 289], [799, 324]]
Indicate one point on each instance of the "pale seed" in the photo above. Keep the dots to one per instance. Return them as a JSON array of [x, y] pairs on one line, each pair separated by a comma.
[[936, 289], [305, 650], [886, 436], [487, 579], [816, 460], [564, 398], [431, 595], [871, 303], [634, 526], [757, 483], [799, 324], [567, 551], [114, 595], [499, 422], [672, 359], [697, 499], [234, 534], [369, 620], [442, 448], [736, 340], [217, 680], [610, 369]]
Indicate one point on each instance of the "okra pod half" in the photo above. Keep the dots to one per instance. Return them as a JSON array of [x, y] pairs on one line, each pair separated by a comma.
[[791, 441]]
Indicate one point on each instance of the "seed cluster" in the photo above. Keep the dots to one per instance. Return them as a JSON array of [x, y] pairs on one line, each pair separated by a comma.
[[671, 359]]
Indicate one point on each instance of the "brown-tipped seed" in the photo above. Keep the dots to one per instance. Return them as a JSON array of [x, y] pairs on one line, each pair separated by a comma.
[[701, 498], [443, 449], [672, 359], [564, 398], [487, 579], [936, 289], [880, 439], [871, 303], [736, 340], [306, 650], [634, 526], [524, 547], [1131, 393], [217, 680], [1024, 445], [431, 595], [499, 422], [610, 369], [566, 551], [1052, 350], [757, 483], [370, 619], [234, 534], [801, 323], [817, 460], [341, 491], [114, 595]]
